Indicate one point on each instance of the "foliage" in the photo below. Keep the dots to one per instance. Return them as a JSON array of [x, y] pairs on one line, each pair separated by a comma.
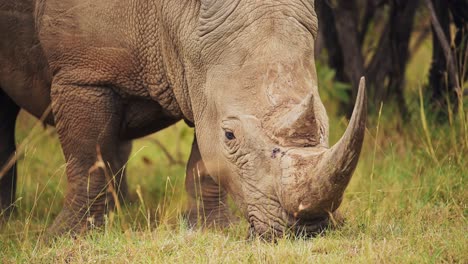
[[330, 89]]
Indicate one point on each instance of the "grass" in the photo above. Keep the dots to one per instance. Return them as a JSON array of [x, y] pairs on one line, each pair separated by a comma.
[[405, 204], [401, 206]]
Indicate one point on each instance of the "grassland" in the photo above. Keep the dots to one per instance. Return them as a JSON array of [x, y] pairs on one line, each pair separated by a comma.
[[407, 202]]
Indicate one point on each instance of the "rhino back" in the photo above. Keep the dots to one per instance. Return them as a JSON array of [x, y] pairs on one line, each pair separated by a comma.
[[114, 44]]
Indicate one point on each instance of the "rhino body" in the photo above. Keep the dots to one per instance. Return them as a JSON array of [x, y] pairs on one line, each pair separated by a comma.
[[241, 72]]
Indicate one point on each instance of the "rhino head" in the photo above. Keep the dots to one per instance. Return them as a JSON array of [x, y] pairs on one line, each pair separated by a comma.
[[261, 127]]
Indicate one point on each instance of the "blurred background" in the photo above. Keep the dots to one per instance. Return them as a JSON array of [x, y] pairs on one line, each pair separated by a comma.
[[400, 46]]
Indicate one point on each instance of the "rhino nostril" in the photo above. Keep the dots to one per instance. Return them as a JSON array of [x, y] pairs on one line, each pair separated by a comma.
[[274, 152]]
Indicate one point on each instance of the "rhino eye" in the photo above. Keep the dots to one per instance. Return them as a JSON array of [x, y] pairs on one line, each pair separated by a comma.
[[229, 135]]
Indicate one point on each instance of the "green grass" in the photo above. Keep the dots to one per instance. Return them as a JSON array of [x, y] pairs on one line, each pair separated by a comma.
[[403, 205]]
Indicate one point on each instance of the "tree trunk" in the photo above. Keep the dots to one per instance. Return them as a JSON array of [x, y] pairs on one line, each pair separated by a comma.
[[346, 18], [379, 67], [329, 34], [438, 80], [401, 26], [459, 10]]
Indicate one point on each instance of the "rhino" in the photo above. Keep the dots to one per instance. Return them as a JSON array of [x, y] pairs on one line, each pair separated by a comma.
[[242, 73]]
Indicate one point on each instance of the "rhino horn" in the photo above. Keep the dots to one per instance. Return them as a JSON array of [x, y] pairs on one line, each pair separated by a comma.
[[329, 170], [339, 162], [300, 125]]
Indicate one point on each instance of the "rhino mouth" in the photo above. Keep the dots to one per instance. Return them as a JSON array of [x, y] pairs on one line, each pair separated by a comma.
[[272, 226], [311, 227]]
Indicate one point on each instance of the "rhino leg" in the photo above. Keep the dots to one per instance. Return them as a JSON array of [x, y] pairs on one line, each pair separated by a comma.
[[125, 148], [208, 200], [120, 176], [87, 120], [8, 113]]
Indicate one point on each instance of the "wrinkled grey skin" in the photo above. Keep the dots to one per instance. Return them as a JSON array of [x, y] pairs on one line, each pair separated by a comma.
[[241, 72]]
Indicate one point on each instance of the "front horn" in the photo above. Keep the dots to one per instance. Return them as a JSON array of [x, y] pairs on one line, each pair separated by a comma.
[[329, 171]]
